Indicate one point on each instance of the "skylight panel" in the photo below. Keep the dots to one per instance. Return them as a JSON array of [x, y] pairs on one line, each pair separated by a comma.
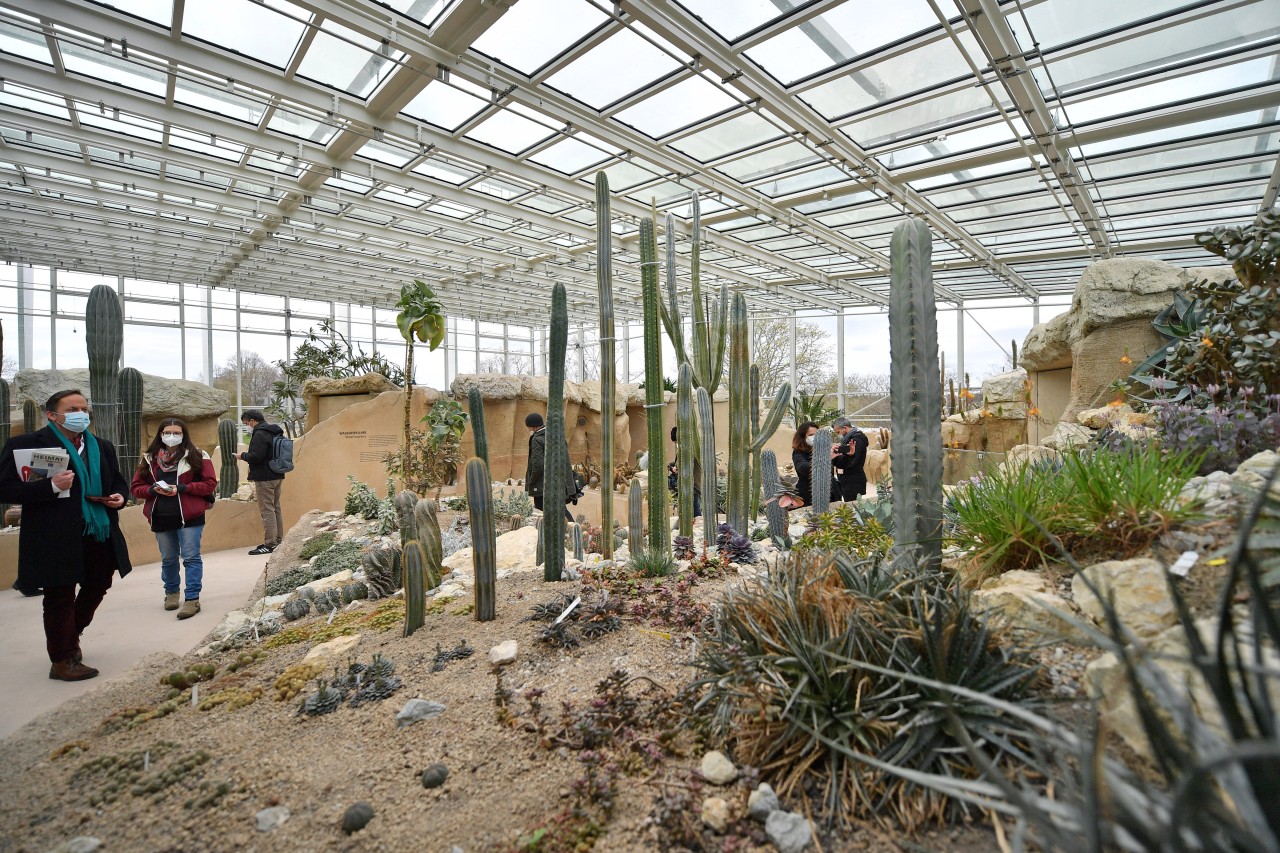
[[218, 101], [426, 11], [382, 152], [1169, 134], [533, 32], [1189, 86], [781, 158], [449, 173], [444, 106], [300, 126], [688, 101], [255, 30], [125, 124], [1250, 146], [344, 180], [932, 114], [111, 68], [732, 18], [852, 28], [946, 145], [736, 134], [344, 59], [190, 140], [629, 173], [808, 180], [662, 194], [509, 132], [1058, 22], [546, 203], [24, 43], [498, 188], [572, 155], [159, 11], [14, 95], [616, 67]]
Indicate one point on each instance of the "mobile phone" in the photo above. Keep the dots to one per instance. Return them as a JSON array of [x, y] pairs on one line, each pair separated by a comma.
[[98, 499]]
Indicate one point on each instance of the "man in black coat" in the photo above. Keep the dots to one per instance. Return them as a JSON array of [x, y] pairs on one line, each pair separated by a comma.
[[72, 539], [850, 459], [533, 472], [267, 484]]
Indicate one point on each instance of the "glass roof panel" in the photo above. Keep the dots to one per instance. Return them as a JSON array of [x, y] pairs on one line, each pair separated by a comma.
[[574, 154], [392, 155], [628, 173], [344, 59], [160, 11], [678, 106], [122, 123], [1168, 134], [533, 32], [736, 134], [1166, 46], [782, 158], [546, 204], [1160, 92], [498, 188], [100, 66], [203, 143], [1056, 22], [509, 132], [947, 144], [1248, 146], [255, 30], [808, 180], [444, 106], [612, 69], [426, 11], [922, 68], [218, 101], [1209, 177], [732, 18], [34, 100], [301, 126], [852, 28], [24, 43], [449, 173], [905, 120]]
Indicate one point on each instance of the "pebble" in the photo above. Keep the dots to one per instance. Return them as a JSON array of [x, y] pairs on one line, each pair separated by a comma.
[[417, 709], [269, 819], [715, 814], [356, 817], [81, 844], [503, 653], [434, 776], [717, 769], [788, 831], [763, 802]]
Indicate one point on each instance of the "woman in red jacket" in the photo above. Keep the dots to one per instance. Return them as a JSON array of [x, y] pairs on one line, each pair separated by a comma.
[[177, 481]]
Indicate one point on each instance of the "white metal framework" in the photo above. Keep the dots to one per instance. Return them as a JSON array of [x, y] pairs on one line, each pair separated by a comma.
[[333, 149]]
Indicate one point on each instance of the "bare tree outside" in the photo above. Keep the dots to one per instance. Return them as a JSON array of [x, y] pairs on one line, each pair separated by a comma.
[[257, 380], [518, 364], [815, 358]]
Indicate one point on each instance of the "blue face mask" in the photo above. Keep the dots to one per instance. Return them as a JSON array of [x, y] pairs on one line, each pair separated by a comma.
[[76, 421]]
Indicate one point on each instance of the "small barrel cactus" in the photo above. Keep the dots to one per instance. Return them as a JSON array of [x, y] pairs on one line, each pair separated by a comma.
[[381, 571], [228, 446], [296, 608], [413, 562], [354, 592]]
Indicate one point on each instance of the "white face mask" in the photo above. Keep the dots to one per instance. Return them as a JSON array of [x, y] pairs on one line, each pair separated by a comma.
[[808, 439], [170, 440]]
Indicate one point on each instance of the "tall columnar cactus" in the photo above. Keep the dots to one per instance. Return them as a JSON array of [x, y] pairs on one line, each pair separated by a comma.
[[635, 518], [413, 567], [427, 528], [1014, 350], [707, 455], [579, 551], [228, 446], [820, 471], [776, 515], [30, 416], [915, 395], [686, 449], [659, 524], [539, 553], [483, 539], [104, 338], [705, 353], [553, 469], [131, 390], [475, 403], [745, 442], [608, 367], [405, 502]]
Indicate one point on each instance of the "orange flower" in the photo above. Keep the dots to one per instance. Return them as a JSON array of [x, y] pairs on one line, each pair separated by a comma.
[[1033, 411], [1124, 359], [1206, 342]]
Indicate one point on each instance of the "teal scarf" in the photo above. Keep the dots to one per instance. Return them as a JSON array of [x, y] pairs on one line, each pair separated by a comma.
[[96, 522]]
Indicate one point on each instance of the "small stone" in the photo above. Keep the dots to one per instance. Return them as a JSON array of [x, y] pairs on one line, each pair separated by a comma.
[[356, 817], [81, 844], [718, 769], [269, 819], [788, 831], [503, 653], [715, 814], [434, 776], [336, 649], [763, 802], [417, 709]]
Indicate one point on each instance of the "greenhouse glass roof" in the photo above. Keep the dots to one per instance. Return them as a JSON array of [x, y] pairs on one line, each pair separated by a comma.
[[336, 149]]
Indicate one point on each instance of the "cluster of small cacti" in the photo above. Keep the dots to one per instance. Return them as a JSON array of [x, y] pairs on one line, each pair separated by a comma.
[[294, 679], [233, 698], [443, 656], [244, 660], [327, 599], [592, 619], [197, 673], [324, 700], [296, 608], [109, 777]]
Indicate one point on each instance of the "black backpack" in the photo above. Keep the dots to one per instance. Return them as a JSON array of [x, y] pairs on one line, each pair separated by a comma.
[[281, 459]]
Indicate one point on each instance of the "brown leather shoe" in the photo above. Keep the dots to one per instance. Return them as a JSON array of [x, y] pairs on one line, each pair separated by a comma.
[[190, 608], [69, 670], [171, 601]]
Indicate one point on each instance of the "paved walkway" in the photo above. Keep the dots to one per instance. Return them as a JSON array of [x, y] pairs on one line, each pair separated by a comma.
[[130, 624]]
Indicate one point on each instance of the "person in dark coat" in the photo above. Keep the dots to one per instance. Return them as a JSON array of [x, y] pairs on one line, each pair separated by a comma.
[[802, 460], [533, 472], [850, 460], [267, 484], [673, 475], [68, 541]]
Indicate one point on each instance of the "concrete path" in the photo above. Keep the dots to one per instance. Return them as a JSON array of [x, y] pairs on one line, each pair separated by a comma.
[[130, 623]]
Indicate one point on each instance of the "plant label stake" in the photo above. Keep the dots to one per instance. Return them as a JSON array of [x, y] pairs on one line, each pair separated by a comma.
[[1184, 564], [577, 599], [195, 694], [332, 613]]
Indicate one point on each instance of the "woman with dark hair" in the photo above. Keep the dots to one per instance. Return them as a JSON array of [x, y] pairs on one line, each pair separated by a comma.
[[802, 459], [176, 481]]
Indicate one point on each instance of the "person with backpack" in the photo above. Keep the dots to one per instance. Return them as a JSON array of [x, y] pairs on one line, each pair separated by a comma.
[[176, 482], [849, 458], [266, 445], [534, 470]]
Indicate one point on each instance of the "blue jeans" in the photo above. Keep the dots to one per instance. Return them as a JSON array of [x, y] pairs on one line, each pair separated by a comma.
[[185, 543]]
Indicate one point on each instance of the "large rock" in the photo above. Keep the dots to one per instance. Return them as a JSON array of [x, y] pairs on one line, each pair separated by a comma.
[[1068, 436], [515, 551], [1047, 346], [1030, 454], [1106, 416], [368, 383], [1024, 600], [1010, 387], [161, 397], [1138, 588]]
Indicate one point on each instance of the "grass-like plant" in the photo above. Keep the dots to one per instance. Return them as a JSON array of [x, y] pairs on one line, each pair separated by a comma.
[[805, 659], [994, 517], [651, 564]]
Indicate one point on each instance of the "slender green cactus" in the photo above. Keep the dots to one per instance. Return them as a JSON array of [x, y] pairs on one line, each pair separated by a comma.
[[707, 455], [608, 367], [659, 524], [5, 426], [915, 399], [483, 536], [427, 528], [539, 553], [706, 356], [104, 338], [553, 469], [635, 518], [404, 503], [776, 515], [1014, 350], [686, 449], [475, 403], [579, 552], [30, 416], [228, 444], [820, 471], [131, 391], [413, 567]]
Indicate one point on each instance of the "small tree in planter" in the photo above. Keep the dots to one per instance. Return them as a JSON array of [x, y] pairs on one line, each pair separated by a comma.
[[421, 316]]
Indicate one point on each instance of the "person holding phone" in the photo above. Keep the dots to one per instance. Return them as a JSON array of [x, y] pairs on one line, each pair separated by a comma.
[[70, 534], [175, 480]]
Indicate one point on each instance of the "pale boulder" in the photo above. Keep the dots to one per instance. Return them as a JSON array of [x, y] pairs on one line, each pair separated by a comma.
[[1068, 436], [1024, 600], [336, 649], [515, 551], [1140, 592], [1010, 387], [1103, 417]]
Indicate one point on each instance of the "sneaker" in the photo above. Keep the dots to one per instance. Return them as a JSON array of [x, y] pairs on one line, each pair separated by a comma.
[[262, 549], [70, 670], [171, 601], [190, 608]]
